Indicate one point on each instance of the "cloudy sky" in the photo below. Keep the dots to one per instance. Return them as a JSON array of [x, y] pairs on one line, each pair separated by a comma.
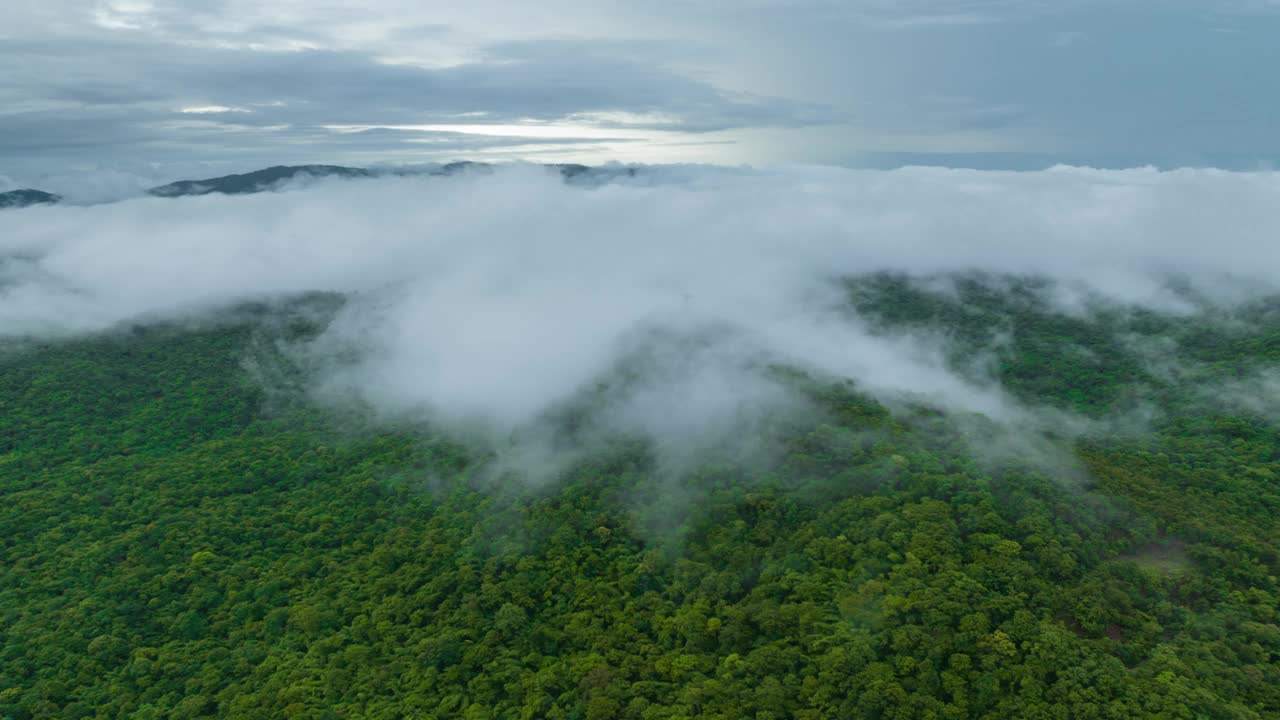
[[177, 86]]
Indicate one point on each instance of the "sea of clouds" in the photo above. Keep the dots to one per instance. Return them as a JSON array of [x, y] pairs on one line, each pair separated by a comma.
[[489, 301]]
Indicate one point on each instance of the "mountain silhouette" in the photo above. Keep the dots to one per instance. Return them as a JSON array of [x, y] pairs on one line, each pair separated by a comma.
[[255, 181], [25, 197]]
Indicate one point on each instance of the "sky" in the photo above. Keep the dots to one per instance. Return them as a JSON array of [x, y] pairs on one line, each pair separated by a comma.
[[173, 88]]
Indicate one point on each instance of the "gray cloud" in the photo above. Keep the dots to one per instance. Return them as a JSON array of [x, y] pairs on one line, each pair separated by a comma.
[[121, 93], [975, 82]]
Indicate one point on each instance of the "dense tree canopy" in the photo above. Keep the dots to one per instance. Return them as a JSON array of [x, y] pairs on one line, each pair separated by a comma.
[[178, 542]]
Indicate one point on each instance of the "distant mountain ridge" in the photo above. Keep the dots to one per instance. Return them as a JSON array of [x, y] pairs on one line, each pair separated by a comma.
[[268, 178], [272, 177], [26, 197], [256, 181]]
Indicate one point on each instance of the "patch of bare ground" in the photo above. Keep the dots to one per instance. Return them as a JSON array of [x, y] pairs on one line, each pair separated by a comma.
[[1168, 555]]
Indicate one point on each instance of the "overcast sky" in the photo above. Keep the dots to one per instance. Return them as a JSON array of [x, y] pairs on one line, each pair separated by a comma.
[[179, 86]]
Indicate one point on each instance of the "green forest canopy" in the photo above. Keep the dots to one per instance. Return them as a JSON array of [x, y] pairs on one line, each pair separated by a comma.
[[179, 543]]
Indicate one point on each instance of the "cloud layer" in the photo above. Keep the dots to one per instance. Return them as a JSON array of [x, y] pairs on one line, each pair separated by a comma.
[[489, 302], [986, 83]]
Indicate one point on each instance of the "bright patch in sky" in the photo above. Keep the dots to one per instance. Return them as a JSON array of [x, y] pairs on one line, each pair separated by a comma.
[[520, 130], [212, 109], [982, 83]]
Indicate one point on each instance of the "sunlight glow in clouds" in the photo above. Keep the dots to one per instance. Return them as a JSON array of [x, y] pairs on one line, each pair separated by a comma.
[[982, 83], [539, 131], [212, 109]]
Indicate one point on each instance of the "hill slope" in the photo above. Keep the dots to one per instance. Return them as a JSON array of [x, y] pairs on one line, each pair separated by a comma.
[[267, 178], [26, 197], [181, 543], [255, 181]]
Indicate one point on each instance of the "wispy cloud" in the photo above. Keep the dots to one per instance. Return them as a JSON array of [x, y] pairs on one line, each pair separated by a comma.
[[490, 301], [791, 80], [211, 109]]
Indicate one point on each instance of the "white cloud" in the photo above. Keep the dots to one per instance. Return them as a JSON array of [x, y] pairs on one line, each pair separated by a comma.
[[857, 74], [211, 109], [488, 301], [123, 14]]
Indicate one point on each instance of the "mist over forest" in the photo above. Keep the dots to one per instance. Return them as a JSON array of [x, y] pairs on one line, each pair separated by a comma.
[[689, 441], [494, 298]]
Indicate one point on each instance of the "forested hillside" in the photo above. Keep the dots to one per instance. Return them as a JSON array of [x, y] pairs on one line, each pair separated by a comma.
[[182, 538]]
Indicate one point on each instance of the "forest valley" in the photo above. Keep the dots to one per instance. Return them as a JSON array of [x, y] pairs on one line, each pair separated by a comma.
[[180, 538]]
